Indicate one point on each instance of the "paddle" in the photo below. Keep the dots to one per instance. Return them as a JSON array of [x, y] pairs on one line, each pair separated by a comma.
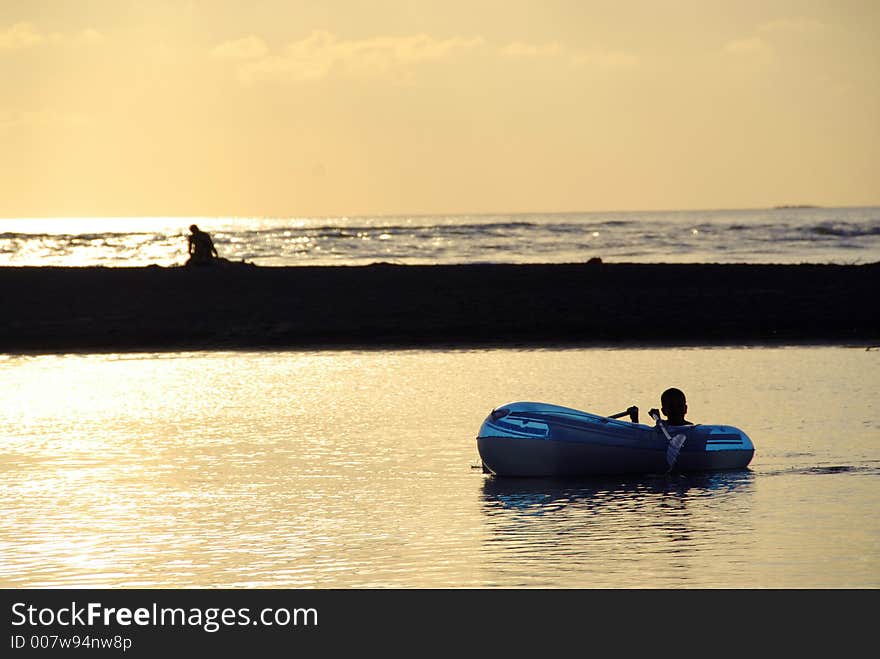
[[675, 443], [632, 412]]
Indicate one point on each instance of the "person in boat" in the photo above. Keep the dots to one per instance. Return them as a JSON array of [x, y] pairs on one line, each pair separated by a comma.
[[673, 404], [200, 247]]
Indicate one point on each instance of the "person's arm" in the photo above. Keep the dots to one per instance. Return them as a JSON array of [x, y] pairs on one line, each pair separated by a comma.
[[189, 245], [214, 250]]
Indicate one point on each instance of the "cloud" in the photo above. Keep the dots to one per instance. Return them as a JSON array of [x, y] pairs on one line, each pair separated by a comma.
[[771, 34], [520, 49], [606, 60], [748, 46], [20, 35], [799, 25], [24, 35], [250, 47], [322, 54], [40, 118]]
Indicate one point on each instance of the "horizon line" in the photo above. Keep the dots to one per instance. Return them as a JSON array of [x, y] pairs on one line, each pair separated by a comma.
[[436, 214]]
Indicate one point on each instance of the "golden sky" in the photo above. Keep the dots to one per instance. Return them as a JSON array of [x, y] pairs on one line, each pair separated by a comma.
[[330, 107]]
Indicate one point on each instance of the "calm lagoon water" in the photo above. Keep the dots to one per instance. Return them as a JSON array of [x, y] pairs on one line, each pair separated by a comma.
[[359, 469]]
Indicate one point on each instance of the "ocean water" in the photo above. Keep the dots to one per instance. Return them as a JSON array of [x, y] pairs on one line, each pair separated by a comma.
[[784, 235], [344, 469]]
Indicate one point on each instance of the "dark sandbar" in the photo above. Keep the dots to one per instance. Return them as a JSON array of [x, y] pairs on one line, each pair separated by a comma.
[[240, 306]]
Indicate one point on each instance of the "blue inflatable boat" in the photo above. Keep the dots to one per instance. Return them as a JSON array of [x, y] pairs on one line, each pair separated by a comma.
[[538, 439]]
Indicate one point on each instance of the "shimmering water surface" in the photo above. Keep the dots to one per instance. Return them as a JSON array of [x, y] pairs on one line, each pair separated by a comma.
[[781, 235], [357, 469]]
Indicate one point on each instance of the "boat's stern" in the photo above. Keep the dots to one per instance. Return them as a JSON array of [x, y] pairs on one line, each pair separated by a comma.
[[710, 448]]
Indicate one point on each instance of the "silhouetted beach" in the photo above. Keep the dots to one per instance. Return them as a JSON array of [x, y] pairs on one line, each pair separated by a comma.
[[381, 305]]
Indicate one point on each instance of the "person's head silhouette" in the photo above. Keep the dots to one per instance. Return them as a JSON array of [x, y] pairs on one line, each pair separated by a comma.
[[674, 405]]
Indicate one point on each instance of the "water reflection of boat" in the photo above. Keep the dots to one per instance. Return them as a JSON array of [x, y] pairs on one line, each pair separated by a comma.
[[539, 493], [539, 439]]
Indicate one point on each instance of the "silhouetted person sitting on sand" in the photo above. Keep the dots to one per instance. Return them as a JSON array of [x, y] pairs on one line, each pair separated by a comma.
[[674, 405], [200, 247]]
